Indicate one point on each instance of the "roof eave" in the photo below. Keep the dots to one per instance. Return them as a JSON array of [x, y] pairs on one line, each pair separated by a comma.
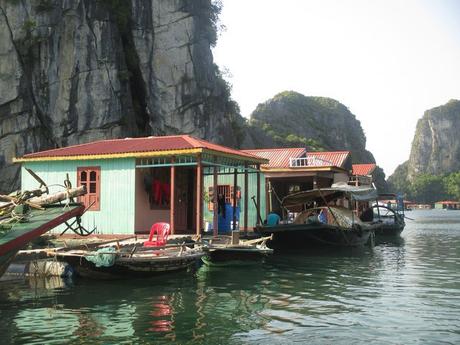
[[306, 169], [110, 155]]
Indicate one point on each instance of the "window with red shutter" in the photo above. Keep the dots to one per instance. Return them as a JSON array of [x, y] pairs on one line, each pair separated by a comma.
[[90, 177]]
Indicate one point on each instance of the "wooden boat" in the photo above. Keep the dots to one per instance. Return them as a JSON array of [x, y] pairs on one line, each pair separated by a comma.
[[242, 252], [391, 219], [121, 261], [29, 214], [38, 222], [391, 222], [323, 224]]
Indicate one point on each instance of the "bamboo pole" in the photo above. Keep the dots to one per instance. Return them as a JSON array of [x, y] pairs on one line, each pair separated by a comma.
[[60, 196]]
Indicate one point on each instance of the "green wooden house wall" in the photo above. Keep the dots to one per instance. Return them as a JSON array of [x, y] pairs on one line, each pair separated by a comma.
[[117, 196], [252, 191]]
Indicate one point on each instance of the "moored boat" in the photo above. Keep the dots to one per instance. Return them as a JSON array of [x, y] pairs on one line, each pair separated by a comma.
[[391, 223], [389, 212], [320, 219], [225, 253], [118, 261], [15, 236]]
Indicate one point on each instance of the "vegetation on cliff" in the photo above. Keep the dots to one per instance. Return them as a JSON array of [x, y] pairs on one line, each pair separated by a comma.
[[427, 188], [320, 123]]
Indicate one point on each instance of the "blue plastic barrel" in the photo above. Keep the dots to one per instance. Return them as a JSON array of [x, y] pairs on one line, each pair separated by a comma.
[[225, 223]]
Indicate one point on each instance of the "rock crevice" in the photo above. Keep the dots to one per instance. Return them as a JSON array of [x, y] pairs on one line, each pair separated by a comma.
[[82, 70]]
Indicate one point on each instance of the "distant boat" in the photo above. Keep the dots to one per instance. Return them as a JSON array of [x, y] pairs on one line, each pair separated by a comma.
[[323, 224]]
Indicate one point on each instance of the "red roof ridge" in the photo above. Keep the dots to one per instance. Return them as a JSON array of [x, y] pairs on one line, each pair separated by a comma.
[[65, 147], [195, 142], [276, 149], [318, 152]]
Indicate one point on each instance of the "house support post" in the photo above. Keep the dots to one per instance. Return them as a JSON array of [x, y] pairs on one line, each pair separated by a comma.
[[172, 197], [235, 186], [199, 195], [215, 224], [245, 221], [258, 192]]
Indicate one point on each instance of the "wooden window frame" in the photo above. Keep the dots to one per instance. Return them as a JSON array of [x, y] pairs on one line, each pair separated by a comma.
[[91, 200], [226, 190]]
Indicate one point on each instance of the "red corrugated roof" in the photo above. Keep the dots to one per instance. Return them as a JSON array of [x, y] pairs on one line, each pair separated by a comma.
[[323, 158], [363, 169], [279, 158], [447, 202], [137, 145]]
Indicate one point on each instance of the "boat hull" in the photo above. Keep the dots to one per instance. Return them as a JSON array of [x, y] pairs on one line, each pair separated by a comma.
[[299, 236], [216, 255], [123, 268], [386, 229], [40, 222], [5, 261]]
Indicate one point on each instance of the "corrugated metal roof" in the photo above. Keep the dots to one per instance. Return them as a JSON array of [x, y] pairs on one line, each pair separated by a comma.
[[137, 145], [363, 169], [279, 158], [323, 158]]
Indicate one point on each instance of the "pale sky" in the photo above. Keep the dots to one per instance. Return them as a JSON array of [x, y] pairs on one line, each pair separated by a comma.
[[387, 60]]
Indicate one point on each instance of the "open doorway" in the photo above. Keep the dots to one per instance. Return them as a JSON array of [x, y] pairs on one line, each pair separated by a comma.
[[153, 199]]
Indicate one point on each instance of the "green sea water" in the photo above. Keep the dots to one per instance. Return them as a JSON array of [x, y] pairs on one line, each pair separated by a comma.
[[403, 291]]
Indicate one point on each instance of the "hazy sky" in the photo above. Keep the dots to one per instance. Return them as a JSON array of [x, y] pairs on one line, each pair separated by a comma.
[[388, 61]]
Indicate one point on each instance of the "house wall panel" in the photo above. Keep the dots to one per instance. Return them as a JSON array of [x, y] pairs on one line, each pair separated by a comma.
[[252, 191], [117, 198]]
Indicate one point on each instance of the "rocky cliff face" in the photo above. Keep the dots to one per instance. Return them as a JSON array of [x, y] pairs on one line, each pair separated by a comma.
[[291, 119], [74, 71], [435, 148], [436, 145]]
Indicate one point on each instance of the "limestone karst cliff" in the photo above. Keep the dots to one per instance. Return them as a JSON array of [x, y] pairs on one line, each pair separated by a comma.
[[78, 70], [292, 119], [435, 147]]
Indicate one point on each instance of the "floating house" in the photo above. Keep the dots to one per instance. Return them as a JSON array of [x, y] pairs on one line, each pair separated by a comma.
[[134, 182], [290, 170], [447, 205]]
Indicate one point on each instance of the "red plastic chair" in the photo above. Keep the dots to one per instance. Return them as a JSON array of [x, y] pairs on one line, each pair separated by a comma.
[[162, 231]]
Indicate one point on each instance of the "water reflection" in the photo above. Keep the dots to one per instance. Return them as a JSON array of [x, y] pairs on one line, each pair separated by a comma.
[[404, 290]]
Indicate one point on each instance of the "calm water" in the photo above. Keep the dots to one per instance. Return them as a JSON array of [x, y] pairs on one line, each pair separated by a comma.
[[405, 291]]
